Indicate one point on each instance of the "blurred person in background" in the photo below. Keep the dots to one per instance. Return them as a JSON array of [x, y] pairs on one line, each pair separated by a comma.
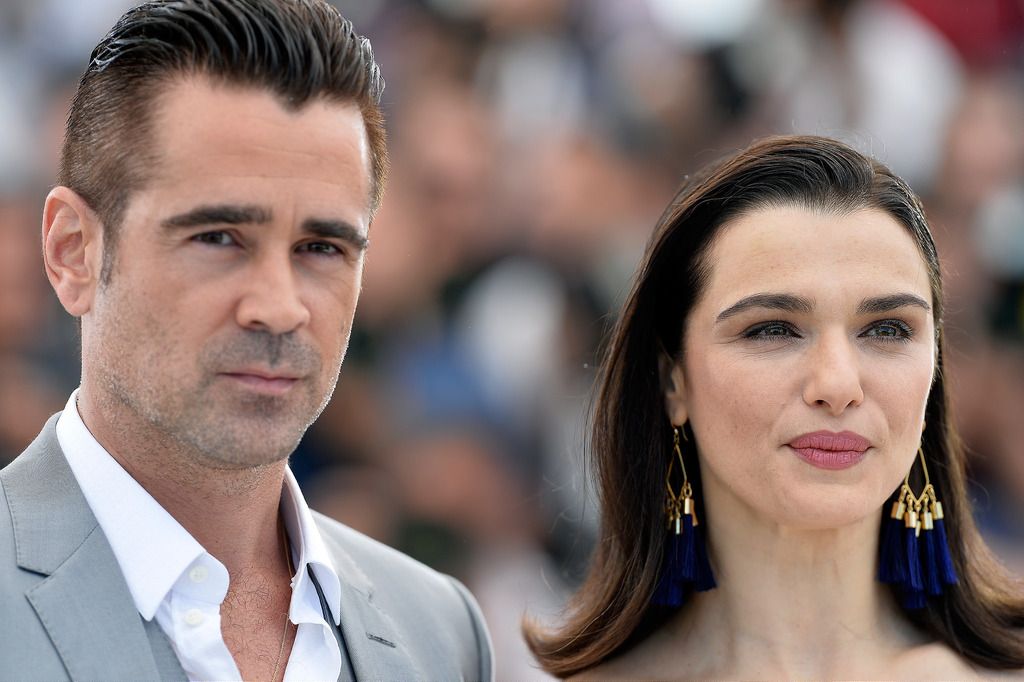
[[773, 444], [978, 207], [27, 393], [222, 163]]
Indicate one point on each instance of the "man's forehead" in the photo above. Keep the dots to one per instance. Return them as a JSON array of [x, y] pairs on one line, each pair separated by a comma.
[[206, 128], [211, 144]]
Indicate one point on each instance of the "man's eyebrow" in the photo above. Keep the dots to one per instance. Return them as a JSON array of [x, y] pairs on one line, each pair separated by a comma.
[[227, 214], [785, 302], [222, 214], [883, 304], [338, 229]]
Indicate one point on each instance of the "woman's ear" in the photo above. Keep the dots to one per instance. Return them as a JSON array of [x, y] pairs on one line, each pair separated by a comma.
[[72, 249], [673, 384]]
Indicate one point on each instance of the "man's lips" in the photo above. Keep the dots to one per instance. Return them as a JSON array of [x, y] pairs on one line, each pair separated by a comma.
[[262, 381], [829, 450]]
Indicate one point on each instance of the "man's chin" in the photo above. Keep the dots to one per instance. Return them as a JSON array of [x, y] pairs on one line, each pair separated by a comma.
[[246, 443], [245, 455], [218, 463]]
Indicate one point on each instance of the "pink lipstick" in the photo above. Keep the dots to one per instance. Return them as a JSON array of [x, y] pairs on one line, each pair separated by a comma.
[[829, 450]]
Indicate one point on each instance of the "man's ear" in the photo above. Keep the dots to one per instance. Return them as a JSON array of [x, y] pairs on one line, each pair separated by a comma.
[[673, 384], [72, 249]]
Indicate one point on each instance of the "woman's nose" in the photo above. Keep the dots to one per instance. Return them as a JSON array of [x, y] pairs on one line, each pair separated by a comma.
[[833, 374]]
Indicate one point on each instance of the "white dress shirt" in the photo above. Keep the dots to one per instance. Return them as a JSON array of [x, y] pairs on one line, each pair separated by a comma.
[[174, 579]]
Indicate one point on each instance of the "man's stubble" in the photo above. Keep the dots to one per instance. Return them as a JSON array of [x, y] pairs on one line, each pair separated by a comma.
[[148, 382]]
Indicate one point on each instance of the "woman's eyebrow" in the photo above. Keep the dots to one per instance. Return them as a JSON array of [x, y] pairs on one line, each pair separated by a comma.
[[882, 304], [789, 303]]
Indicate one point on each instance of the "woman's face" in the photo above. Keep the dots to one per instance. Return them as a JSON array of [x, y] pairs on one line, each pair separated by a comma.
[[807, 364]]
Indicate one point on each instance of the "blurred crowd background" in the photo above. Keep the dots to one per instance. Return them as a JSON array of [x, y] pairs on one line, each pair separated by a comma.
[[535, 143]]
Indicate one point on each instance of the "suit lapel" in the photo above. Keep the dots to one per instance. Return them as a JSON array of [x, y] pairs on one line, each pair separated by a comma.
[[84, 603], [373, 644], [91, 618], [371, 640]]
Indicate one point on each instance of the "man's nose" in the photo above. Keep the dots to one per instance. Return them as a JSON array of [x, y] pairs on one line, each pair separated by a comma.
[[833, 374], [271, 300]]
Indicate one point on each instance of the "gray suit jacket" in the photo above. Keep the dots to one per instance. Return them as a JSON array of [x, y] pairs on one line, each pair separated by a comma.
[[66, 612]]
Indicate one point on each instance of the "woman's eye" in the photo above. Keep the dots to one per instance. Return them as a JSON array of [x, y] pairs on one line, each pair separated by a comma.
[[889, 330], [771, 331], [217, 238]]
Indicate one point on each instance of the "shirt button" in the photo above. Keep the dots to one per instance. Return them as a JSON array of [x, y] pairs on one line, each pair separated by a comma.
[[193, 617], [198, 574]]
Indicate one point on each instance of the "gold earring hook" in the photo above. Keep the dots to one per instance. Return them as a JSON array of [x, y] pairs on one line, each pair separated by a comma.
[[679, 452]]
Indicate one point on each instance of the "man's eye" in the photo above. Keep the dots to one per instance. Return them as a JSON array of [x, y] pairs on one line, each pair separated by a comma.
[[889, 331], [217, 238], [771, 331], [321, 248]]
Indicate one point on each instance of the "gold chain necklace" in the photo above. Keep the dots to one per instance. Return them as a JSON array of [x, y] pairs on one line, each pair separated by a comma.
[[284, 635]]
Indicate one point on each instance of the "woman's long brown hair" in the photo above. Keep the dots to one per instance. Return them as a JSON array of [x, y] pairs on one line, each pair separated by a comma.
[[981, 617]]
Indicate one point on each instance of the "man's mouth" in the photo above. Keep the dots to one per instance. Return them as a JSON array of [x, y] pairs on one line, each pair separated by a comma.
[[260, 381]]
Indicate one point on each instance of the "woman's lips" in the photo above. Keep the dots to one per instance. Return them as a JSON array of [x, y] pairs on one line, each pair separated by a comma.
[[828, 450]]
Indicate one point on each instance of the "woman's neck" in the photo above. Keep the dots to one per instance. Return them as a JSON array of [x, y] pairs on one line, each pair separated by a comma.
[[791, 602]]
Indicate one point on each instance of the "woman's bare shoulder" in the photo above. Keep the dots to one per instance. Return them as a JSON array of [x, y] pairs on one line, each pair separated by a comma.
[[657, 657], [613, 670], [618, 668], [933, 661], [938, 661]]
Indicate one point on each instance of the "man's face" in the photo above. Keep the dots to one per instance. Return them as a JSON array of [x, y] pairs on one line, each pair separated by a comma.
[[237, 272]]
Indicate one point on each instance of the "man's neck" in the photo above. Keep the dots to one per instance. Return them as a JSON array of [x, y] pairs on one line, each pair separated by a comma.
[[232, 513]]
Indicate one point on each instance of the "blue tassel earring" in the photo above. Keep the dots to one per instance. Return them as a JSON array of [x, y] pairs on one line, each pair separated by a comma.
[[916, 520], [686, 563]]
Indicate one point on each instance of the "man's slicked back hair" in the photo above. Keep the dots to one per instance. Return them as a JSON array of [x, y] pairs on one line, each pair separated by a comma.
[[300, 50]]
